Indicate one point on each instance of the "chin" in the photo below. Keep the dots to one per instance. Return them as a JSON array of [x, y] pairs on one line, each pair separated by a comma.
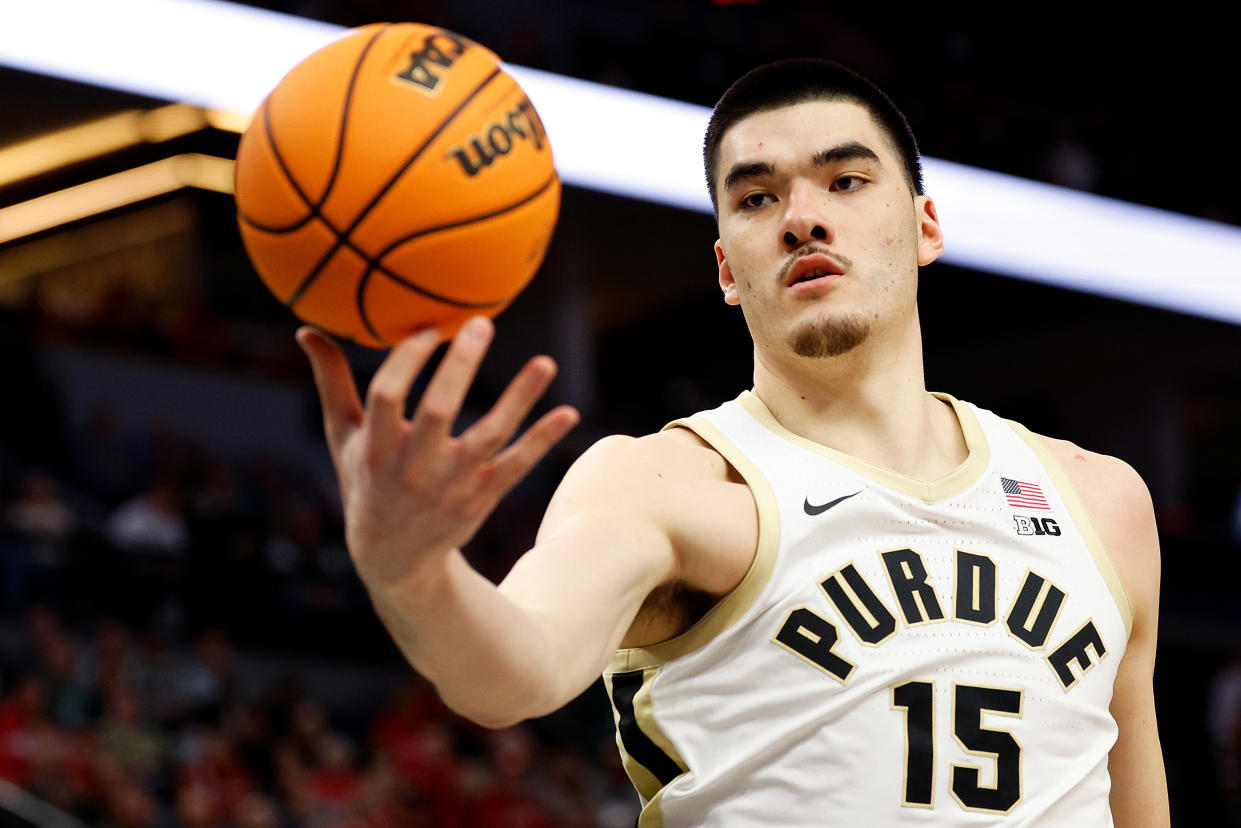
[[829, 337]]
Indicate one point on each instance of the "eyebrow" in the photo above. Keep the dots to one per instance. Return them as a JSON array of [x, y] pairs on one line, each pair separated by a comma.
[[742, 172], [848, 151]]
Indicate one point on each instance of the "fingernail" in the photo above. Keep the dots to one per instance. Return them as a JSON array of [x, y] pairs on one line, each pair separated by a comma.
[[476, 327]]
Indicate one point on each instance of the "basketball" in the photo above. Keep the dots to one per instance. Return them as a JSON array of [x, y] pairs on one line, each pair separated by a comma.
[[395, 179]]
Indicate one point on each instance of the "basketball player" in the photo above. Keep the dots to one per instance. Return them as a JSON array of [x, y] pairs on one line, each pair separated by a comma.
[[835, 600]]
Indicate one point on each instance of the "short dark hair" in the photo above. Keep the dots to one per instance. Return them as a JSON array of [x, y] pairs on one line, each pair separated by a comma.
[[798, 80]]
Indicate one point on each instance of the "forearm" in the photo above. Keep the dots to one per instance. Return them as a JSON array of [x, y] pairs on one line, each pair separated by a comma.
[[490, 660]]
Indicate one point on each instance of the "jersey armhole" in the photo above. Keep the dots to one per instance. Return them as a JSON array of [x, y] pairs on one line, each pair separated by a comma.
[[1077, 510], [729, 609]]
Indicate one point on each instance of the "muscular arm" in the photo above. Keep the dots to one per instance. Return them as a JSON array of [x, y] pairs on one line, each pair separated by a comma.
[[414, 494], [1120, 509]]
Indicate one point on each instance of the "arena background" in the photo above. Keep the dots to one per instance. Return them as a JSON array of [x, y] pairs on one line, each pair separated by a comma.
[[182, 640]]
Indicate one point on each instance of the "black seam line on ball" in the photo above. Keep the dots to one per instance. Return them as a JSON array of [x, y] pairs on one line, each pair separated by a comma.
[[312, 208], [341, 237], [288, 174], [315, 208], [344, 115], [365, 321], [373, 263], [499, 211]]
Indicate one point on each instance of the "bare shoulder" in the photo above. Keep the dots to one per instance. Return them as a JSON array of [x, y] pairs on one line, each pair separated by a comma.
[[674, 485], [1113, 492], [1119, 505], [625, 470]]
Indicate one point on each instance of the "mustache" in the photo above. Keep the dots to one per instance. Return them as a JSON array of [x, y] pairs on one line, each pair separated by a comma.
[[810, 250]]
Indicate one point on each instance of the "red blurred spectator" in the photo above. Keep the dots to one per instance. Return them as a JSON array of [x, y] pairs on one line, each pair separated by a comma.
[[506, 805], [334, 785], [413, 733], [198, 807], [21, 718], [258, 811], [129, 806], [212, 782], [508, 801]]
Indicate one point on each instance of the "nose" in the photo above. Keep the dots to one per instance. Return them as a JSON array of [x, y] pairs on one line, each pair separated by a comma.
[[805, 217]]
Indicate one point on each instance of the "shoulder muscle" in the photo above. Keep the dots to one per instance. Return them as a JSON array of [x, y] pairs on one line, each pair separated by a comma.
[[672, 486], [625, 475], [1119, 505]]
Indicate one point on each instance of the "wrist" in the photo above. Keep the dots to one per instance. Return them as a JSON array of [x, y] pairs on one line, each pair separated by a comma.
[[417, 587]]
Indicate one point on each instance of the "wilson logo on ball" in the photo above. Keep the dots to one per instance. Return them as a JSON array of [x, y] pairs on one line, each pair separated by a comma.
[[499, 138], [440, 49]]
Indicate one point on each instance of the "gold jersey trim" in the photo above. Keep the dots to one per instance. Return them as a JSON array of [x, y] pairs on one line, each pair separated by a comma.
[[648, 785], [956, 481], [732, 606], [1077, 510]]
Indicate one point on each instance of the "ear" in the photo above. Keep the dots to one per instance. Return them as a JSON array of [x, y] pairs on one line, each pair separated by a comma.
[[930, 235], [727, 283]]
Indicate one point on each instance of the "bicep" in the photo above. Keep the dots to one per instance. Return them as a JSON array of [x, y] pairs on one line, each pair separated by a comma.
[[583, 585], [599, 553]]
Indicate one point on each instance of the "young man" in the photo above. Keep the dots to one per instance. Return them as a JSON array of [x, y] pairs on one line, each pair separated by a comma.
[[835, 600]]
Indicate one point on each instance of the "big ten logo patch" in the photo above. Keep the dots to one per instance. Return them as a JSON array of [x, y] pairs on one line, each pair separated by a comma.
[[1036, 526]]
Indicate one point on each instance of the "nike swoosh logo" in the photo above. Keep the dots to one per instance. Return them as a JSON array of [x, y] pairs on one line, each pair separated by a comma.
[[813, 510]]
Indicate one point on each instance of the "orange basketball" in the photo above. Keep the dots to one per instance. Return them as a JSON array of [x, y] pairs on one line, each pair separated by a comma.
[[396, 178]]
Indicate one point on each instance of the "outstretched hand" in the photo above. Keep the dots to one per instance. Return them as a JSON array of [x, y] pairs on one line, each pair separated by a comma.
[[412, 491]]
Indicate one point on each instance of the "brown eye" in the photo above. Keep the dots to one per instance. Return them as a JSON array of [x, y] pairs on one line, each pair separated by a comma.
[[847, 182], [754, 200]]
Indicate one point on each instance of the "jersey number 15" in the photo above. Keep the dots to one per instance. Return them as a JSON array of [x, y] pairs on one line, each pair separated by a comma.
[[969, 702]]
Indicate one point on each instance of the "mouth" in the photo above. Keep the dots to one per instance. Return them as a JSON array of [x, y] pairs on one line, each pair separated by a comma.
[[814, 270]]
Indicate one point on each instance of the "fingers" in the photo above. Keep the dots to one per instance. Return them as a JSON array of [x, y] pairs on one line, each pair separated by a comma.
[[389, 389], [515, 462], [493, 431], [338, 396], [442, 400]]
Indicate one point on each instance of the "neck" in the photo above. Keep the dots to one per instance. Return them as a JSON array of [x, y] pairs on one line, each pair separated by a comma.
[[870, 403]]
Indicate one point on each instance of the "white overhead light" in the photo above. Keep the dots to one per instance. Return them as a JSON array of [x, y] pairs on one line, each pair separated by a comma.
[[225, 56]]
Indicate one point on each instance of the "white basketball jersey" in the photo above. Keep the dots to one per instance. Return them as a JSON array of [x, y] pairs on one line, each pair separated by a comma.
[[900, 653]]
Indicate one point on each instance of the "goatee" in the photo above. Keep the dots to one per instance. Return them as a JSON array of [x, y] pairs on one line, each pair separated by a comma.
[[829, 337]]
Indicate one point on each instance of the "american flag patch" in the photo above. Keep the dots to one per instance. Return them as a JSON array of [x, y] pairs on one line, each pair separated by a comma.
[[1023, 495]]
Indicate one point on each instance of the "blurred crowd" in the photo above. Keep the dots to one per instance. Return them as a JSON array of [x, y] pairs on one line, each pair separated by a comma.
[[138, 567], [153, 526], [122, 728], [131, 575]]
